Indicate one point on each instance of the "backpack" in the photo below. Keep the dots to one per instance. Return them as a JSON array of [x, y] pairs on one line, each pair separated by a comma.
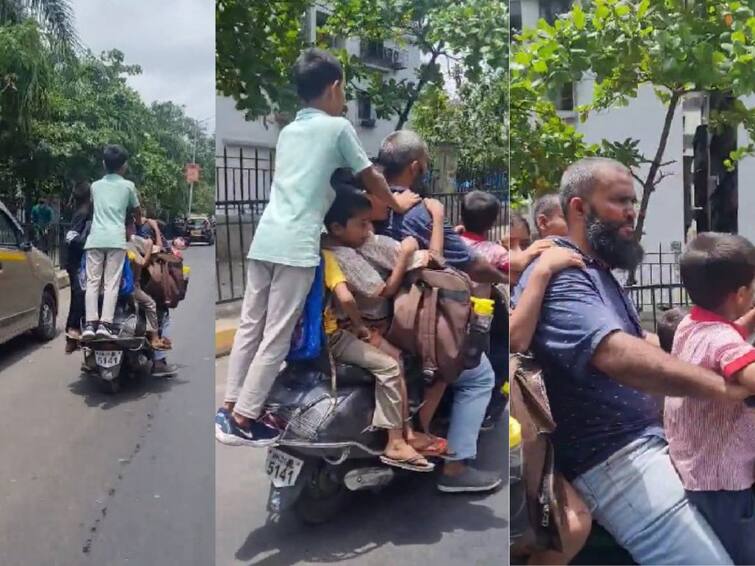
[[431, 320], [163, 280], [126, 286], [537, 511], [307, 339]]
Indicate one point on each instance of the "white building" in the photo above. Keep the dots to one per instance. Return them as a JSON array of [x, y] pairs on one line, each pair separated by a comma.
[[643, 119], [235, 133]]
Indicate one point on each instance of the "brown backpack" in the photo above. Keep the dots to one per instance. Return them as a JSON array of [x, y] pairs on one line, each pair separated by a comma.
[[164, 280], [539, 523], [431, 320]]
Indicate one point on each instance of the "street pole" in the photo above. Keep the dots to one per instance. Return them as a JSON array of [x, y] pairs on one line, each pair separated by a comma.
[[193, 160]]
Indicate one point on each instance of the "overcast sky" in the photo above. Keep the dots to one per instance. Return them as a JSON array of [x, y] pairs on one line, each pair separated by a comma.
[[172, 40]]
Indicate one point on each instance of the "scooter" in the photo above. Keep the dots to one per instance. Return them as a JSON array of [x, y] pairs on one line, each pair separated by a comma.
[[112, 360], [328, 448]]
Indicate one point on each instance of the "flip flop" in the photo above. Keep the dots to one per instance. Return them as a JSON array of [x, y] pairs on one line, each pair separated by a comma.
[[409, 464], [437, 447]]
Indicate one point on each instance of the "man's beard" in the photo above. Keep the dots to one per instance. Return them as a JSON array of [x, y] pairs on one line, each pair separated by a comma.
[[609, 246]]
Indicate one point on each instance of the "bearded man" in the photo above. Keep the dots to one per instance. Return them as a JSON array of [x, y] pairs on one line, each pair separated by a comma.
[[604, 376]]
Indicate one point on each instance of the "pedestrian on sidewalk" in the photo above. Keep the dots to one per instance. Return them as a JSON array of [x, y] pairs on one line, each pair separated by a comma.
[[286, 248], [105, 247]]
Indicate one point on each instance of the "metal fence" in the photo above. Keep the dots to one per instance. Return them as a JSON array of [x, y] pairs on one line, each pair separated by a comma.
[[243, 180], [50, 240], [658, 286]]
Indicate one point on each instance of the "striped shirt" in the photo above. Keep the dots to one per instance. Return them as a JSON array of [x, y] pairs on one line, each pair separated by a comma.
[[712, 441]]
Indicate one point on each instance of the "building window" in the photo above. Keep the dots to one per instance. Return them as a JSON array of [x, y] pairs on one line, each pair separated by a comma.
[[325, 39], [550, 10], [565, 98], [515, 17], [364, 111]]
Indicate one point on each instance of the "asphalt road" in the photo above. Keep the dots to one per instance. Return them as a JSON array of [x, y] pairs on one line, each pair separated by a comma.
[[406, 524], [87, 478]]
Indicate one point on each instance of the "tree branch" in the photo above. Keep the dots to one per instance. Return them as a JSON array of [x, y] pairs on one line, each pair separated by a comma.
[[404, 115], [649, 183]]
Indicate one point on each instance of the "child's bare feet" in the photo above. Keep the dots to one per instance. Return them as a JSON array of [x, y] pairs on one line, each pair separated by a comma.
[[399, 454]]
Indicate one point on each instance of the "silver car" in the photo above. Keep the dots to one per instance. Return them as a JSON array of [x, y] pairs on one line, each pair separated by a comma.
[[28, 286]]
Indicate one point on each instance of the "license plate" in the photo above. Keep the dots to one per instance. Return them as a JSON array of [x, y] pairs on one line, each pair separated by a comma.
[[196, 232], [282, 468], [107, 358]]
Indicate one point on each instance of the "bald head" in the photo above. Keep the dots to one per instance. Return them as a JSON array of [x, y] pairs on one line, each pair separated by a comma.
[[582, 177], [399, 150]]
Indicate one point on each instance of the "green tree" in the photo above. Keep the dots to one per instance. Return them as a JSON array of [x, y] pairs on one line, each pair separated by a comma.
[[258, 44], [676, 46], [55, 18], [473, 119]]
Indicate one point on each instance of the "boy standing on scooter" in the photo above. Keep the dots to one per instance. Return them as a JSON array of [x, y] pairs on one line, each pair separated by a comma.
[[286, 248], [105, 247]]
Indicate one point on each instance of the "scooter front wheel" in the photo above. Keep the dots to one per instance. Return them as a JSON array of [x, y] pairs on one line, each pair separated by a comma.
[[323, 497]]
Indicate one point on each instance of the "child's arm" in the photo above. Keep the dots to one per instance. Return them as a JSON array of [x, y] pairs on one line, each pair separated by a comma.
[[436, 210], [349, 305], [748, 321], [376, 185], [524, 318], [746, 378], [156, 229], [408, 247]]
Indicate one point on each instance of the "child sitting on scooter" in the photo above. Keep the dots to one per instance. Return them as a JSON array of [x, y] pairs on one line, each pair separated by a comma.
[[374, 272], [348, 224], [139, 252]]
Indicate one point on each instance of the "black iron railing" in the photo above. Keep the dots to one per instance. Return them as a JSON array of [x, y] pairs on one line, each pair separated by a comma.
[[658, 286], [243, 181]]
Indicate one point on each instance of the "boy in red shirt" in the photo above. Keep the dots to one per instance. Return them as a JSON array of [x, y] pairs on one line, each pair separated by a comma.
[[712, 441]]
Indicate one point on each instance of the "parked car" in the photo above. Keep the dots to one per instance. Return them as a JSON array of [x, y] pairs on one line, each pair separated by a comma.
[[199, 229], [28, 286]]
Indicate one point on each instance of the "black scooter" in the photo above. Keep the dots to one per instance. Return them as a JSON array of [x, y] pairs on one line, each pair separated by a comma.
[[112, 360], [328, 448]]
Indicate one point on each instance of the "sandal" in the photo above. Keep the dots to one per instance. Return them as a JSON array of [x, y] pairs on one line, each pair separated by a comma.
[[413, 464], [437, 446]]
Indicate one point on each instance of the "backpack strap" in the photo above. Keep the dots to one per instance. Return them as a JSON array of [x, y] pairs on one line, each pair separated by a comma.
[[428, 329], [406, 317]]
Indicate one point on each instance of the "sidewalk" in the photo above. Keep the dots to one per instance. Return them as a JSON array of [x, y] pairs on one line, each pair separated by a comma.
[[226, 323], [63, 280]]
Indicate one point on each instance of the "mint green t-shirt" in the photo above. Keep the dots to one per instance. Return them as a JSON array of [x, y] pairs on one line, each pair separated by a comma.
[[111, 198], [309, 151]]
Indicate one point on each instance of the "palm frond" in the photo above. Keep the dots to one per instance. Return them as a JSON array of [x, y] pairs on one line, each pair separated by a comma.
[[57, 19]]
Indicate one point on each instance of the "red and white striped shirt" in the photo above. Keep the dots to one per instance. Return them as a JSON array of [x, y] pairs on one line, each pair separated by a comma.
[[712, 441]]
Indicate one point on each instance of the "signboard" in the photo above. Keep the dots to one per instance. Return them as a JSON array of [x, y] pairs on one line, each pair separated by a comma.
[[192, 172]]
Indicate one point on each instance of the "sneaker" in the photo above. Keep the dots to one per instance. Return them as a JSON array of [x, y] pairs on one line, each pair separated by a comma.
[[274, 421], [221, 417], [488, 424], [88, 333], [469, 481], [104, 330], [161, 368], [227, 431]]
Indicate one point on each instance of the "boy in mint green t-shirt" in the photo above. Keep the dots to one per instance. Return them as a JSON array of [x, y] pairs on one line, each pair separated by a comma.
[[105, 247], [286, 247]]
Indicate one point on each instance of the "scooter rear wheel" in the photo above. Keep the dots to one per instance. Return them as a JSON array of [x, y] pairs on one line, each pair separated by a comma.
[[110, 387], [322, 498]]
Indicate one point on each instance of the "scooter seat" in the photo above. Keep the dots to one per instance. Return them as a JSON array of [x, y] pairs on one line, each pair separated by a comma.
[[349, 375]]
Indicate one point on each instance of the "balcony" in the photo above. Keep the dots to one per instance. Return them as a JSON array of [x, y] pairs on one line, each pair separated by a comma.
[[375, 54]]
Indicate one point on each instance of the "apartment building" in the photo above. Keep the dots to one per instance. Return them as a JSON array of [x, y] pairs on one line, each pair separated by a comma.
[[670, 212]]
